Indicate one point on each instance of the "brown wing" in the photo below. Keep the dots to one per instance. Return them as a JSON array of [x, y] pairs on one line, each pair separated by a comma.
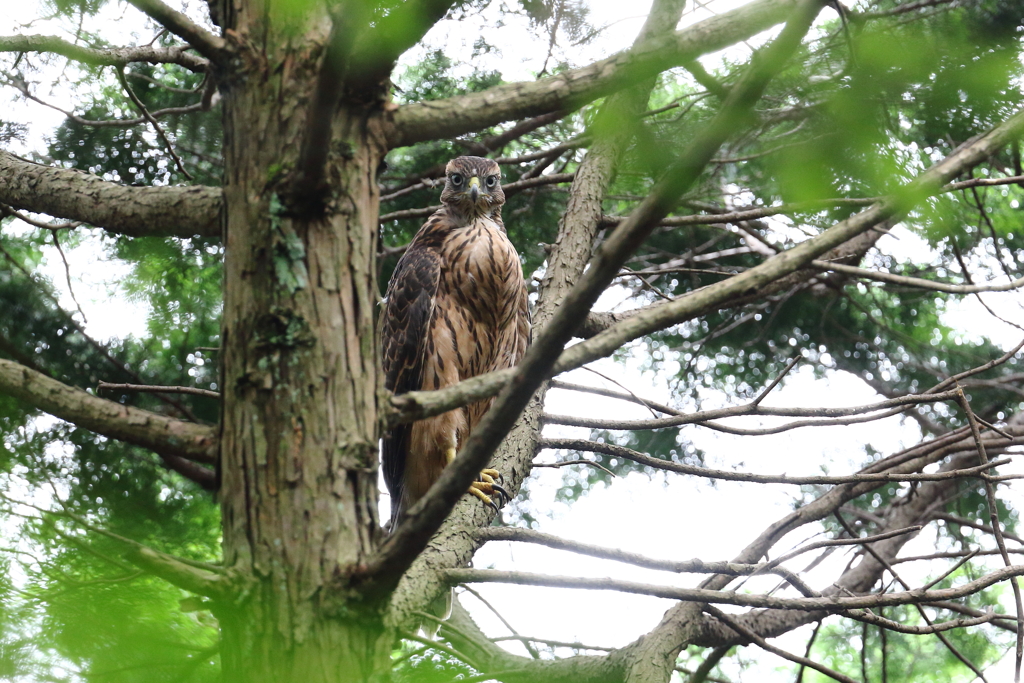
[[405, 321]]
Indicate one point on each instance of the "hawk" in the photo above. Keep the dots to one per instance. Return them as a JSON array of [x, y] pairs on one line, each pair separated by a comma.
[[456, 307]]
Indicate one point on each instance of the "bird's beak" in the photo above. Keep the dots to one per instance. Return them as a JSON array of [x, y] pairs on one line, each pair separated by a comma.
[[474, 188]]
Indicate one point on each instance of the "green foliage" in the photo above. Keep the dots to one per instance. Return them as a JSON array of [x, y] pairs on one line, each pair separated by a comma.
[[842, 646], [416, 663], [134, 154]]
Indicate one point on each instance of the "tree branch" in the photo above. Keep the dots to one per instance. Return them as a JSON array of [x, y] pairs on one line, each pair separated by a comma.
[[110, 56], [832, 604], [214, 48], [196, 577], [569, 90], [732, 475], [164, 435], [765, 645], [695, 566], [749, 409], [119, 209], [916, 282]]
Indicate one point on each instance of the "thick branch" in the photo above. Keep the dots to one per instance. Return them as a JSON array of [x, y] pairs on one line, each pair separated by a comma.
[[164, 435], [205, 43], [110, 56], [118, 209], [571, 89]]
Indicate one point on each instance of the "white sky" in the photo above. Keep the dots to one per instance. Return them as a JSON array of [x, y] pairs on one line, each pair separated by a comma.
[[670, 516]]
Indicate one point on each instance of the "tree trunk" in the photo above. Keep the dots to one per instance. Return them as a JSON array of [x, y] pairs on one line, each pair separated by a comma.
[[300, 379]]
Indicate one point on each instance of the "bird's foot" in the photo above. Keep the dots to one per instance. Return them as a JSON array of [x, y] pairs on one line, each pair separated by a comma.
[[487, 487]]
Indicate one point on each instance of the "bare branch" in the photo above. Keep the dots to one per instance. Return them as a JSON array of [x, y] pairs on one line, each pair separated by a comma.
[[997, 530], [833, 604], [732, 475], [152, 121], [212, 47], [155, 389], [611, 393], [118, 209], [916, 282], [568, 463], [749, 409], [111, 56], [924, 615], [569, 90], [695, 566], [765, 645], [164, 435]]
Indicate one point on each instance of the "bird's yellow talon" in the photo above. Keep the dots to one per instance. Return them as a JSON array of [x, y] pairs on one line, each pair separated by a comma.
[[480, 490], [487, 487]]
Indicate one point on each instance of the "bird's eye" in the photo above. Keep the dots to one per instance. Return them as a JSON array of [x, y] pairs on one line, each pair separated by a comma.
[[456, 179], [492, 180]]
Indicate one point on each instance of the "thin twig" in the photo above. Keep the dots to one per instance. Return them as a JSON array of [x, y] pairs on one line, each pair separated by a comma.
[[153, 122], [616, 451], [945, 641], [997, 531], [566, 463], [67, 275], [158, 389], [765, 645], [807, 651], [525, 641], [9, 211]]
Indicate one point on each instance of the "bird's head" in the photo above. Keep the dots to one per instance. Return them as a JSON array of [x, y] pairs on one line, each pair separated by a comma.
[[473, 187]]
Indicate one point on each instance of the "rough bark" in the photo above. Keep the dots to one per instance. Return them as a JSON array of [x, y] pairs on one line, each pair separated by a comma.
[[299, 429], [118, 209]]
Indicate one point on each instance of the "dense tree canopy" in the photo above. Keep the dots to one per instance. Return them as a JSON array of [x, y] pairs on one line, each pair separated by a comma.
[[778, 187]]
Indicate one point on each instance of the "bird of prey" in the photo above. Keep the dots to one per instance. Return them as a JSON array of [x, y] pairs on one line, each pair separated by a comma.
[[456, 307]]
